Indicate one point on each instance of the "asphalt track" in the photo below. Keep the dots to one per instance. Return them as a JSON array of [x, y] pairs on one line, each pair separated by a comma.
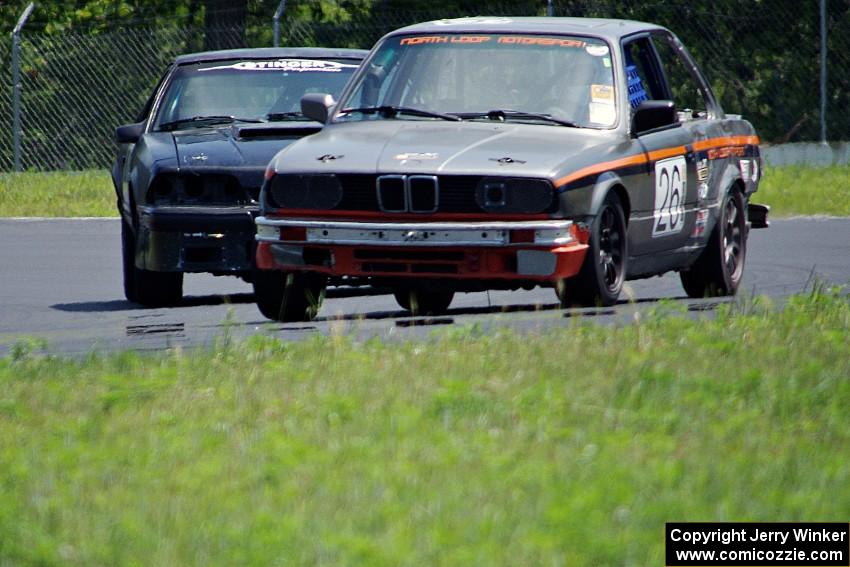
[[60, 280]]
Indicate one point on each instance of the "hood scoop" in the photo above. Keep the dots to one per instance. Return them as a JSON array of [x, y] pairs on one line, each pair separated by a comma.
[[277, 131]]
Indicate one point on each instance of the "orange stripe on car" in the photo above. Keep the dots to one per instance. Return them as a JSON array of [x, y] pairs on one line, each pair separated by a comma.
[[600, 168], [700, 145], [655, 155]]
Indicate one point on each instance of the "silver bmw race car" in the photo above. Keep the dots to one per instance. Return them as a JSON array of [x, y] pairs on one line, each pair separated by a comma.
[[485, 153]]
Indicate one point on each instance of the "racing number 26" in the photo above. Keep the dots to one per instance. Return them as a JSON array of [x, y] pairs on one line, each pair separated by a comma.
[[670, 183]]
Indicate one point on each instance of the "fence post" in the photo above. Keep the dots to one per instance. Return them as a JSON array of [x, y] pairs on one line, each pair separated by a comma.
[[550, 9], [278, 14], [16, 84], [823, 94]]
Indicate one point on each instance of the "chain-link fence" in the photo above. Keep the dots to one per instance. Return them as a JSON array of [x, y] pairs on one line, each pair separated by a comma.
[[6, 107], [763, 59]]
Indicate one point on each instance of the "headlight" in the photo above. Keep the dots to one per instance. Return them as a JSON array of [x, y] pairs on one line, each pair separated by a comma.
[[514, 195], [162, 190], [195, 189], [305, 191]]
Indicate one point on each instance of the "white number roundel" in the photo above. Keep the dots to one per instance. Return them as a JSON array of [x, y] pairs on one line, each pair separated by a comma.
[[670, 187]]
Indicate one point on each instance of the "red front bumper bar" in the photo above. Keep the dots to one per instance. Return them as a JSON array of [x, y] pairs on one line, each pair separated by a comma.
[[532, 250]]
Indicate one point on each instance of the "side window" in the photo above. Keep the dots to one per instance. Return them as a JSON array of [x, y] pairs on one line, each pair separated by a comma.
[[686, 92], [642, 72], [146, 109]]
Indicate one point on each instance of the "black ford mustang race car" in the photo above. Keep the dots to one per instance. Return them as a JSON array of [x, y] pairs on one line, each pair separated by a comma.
[[188, 173]]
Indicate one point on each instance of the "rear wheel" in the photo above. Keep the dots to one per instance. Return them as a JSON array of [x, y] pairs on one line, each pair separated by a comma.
[[603, 272], [421, 301], [152, 289], [720, 267], [288, 296]]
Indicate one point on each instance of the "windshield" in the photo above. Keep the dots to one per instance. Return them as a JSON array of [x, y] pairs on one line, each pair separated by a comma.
[[248, 90], [471, 76]]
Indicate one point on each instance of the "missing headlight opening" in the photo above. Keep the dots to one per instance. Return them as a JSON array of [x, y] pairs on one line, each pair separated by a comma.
[[514, 195]]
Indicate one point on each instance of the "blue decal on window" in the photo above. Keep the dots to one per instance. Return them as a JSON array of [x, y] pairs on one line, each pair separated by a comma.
[[637, 92]]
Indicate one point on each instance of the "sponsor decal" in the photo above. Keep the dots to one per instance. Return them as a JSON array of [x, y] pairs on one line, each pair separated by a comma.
[[424, 39], [502, 40], [721, 153], [288, 65], [699, 225], [432, 39], [670, 189], [602, 94], [416, 155], [602, 113], [479, 20], [702, 169], [329, 157], [637, 92], [597, 50], [545, 41], [702, 191]]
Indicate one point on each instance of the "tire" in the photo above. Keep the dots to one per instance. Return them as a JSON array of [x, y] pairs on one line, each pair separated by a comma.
[[151, 289], [420, 301], [287, 296], [719, 269], [603, 272], [128, 259]]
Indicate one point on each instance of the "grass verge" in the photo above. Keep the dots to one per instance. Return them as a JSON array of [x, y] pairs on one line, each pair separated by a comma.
[[788, 190], [798, 190], [572, 448], [57, 194]]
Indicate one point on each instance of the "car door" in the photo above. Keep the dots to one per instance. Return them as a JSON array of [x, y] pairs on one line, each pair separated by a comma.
[[663, 213]]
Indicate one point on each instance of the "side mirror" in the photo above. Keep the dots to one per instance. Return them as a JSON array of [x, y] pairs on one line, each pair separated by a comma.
[[129, 133], [317, 106], [652, 114]]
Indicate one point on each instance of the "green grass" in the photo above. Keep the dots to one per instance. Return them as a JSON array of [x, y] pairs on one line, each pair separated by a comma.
[[797, 190], [572, 448], [788, 190], [57, 194]]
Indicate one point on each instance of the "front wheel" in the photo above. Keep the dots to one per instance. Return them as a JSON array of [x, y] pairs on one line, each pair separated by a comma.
[[603, 272], [421, 301], [720, 267], [152, 289], [287, 296]]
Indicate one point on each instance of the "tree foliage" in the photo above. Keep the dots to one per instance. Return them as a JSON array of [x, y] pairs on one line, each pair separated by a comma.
[[762, 57]]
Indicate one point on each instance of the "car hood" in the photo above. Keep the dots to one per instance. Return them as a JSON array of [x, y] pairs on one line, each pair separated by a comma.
[[462, 148], [251, 146]]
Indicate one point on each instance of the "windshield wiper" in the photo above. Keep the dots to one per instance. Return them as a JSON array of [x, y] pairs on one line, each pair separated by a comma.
[[388, 111], [502, 114], [204, 121], [279, 116]]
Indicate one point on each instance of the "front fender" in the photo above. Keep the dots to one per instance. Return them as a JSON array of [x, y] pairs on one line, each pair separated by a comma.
[[584, 203], [146, 162]]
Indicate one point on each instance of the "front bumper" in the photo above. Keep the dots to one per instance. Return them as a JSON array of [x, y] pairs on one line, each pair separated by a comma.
[[196, 239], [527, 250]]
